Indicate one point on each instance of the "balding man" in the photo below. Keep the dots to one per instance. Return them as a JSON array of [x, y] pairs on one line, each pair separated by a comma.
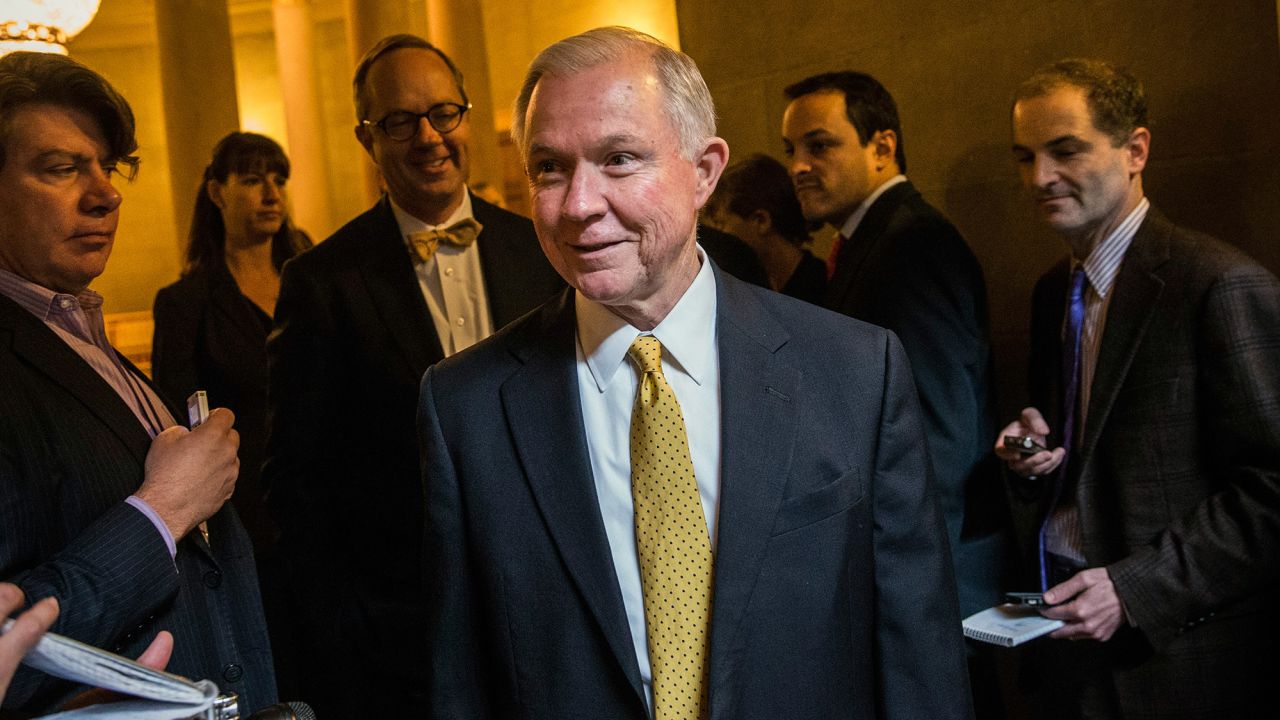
[[427, 271]]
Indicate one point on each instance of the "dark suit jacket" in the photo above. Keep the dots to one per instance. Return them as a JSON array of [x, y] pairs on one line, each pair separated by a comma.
[[906, 268], [732, 255], [353, 337], [209, 336], [70, 453], [833, 596], [1178, 476], [808, 281]]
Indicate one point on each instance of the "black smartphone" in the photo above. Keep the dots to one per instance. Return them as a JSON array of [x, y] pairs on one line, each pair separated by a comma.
[[1024, 444], [1026, 598]]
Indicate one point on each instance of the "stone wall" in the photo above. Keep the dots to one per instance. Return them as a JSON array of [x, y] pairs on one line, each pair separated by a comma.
[[1212, 72]]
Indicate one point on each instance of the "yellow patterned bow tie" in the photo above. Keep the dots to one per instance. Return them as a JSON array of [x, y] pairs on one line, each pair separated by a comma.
[[461, 233]]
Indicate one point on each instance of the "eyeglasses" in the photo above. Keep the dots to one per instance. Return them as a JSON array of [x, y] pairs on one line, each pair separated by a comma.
[[402, 124]]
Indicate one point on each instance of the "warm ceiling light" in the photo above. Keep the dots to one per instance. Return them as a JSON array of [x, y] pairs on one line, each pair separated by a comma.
[[43, 25]]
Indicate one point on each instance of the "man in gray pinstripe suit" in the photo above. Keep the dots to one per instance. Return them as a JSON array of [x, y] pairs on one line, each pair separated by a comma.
[[105, 503], [1159, 377]]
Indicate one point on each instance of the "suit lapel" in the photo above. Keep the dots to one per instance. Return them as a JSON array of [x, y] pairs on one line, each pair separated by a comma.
[[854, 252], [541, 402], [758, 431], [758, 425], [48, 354], [44, 351], [194, 538], [225, 296], [390, 280], [1136, 292], [493, 261]]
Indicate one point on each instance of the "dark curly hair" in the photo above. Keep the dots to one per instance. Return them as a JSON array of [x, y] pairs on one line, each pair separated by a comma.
[[30, 77]]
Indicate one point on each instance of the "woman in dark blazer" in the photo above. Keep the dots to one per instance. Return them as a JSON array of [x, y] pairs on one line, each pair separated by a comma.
[[211, 333], [211, 326]]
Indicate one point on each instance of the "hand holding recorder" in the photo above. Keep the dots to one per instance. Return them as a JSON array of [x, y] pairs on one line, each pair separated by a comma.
[[1021, 444]]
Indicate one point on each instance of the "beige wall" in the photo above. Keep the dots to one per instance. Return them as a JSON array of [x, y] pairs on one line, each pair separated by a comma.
[[343, 151], [121, 43], [1212, 72], [516, 30], [145, 256]]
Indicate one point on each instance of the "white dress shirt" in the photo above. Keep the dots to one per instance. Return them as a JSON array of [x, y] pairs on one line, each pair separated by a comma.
[[854, 220], [607, 385], [451, 283]]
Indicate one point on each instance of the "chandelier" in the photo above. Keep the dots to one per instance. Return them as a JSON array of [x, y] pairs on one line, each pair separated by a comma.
[[43, 25]]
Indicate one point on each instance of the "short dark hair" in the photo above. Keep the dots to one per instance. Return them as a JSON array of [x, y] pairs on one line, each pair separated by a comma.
[[31, 77], [390, 44], [240, 153], [762, 183], [1117, 102], [867, 103]]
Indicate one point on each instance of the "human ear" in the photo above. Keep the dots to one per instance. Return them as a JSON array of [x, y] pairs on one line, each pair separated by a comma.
[[213, 189], [365, 137], [1137, 149], [710, 162], [886, 148]]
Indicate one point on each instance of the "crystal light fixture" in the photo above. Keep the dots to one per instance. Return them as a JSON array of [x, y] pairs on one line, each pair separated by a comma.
[[43, 25]]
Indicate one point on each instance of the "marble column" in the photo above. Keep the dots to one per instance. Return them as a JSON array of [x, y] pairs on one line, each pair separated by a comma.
[[197, 74], [457, 28], [308, 181], [368, 21]]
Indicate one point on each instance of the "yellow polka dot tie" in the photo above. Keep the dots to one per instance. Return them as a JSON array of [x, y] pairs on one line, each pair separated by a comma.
[[672, 541]]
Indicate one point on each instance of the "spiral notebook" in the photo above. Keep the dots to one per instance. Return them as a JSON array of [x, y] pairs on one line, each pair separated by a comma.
[[1008, 625], [163, 695]]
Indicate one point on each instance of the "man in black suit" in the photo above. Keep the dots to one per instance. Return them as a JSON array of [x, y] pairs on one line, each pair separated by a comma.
[[24, 633], [1155, 378], [900, 264], [106, 504], [428, 271], [656, 494]]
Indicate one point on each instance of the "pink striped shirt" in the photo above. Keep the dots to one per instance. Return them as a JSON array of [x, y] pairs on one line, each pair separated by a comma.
[[77, 319]]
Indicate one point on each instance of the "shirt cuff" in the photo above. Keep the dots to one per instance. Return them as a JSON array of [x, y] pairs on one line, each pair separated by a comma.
[[161, 528]]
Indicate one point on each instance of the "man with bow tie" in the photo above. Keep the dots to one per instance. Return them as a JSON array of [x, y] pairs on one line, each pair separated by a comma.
[[430, 270]]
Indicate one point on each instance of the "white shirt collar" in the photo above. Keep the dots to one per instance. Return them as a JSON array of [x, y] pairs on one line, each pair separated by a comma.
[[410, 224], [855, 219], [687, 333]]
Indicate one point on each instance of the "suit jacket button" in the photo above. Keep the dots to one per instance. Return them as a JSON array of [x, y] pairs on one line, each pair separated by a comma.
[[232, 672], [212, 578]]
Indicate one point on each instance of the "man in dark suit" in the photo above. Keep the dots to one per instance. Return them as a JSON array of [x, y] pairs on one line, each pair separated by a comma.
[[900, 264], [101, 492], [426, 272], [1156, 362], [24, 633], [656, 493], [732, 254]]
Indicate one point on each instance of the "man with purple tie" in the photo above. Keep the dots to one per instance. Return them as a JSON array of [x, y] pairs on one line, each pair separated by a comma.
[[1155, 381]]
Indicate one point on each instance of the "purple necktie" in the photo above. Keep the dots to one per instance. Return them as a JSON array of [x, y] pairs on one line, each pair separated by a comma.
[[1070, 398]]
